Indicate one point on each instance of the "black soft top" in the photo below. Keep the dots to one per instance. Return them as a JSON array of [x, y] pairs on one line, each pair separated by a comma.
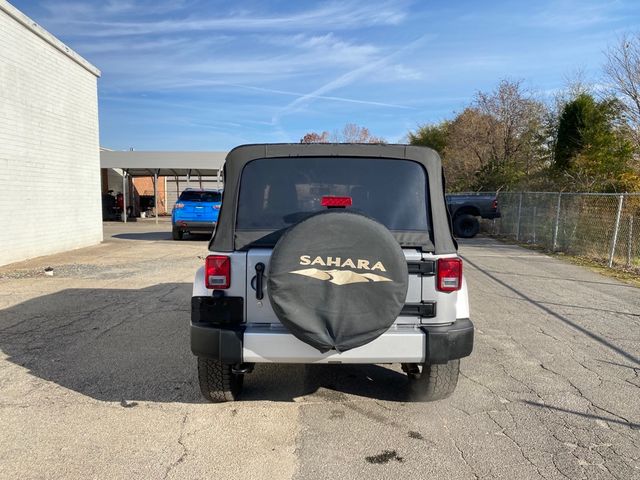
[[226, 239]]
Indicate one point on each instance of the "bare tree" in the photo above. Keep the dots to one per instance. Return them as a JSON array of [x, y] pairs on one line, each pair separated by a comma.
[[623, 70], [350, 133], [313, 137], [515, 127], [467, 151]]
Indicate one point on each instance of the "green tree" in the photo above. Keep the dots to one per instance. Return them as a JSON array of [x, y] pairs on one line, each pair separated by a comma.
[[593, 151], [432, 136], [574, 118]]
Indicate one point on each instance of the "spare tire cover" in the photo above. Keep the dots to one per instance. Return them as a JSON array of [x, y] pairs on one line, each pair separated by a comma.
[[337, 280]]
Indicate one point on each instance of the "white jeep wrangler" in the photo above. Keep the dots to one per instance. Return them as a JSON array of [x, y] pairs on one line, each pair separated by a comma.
[[331, 253]]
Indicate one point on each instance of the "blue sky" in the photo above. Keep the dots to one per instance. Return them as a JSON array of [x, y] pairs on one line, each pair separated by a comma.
[[209, 75]]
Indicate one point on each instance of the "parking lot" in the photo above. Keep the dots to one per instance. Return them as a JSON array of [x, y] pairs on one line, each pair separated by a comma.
[[97, 379]]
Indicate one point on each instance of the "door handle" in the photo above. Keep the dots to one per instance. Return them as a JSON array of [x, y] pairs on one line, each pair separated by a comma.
[[259, 280]]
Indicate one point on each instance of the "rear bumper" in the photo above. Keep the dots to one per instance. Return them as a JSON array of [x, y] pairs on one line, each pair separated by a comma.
[[193, 226], [267, 344]]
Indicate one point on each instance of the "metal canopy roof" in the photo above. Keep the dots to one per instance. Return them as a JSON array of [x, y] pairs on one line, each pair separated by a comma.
[[145, 164]]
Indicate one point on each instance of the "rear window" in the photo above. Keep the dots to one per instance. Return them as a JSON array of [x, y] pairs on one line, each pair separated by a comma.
[[194, 196], [276, 193]]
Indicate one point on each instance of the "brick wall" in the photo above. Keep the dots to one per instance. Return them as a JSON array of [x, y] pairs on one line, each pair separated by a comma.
[[49, 148], [144, 186]]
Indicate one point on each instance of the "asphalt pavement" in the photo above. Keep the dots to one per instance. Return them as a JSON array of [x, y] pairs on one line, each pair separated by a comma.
[[97, 379]]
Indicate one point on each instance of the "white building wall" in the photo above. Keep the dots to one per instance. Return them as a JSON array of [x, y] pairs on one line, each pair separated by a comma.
[[114, 180], [49, 149]]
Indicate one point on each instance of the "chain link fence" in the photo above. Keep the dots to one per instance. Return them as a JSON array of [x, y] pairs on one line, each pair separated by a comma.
[[601, 227]]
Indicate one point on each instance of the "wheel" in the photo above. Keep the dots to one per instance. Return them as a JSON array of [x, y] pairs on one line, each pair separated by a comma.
[[217, 382], [176, 233], [466, 226], [432, 382]]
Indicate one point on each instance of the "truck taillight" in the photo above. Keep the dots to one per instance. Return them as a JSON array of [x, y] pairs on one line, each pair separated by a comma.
[[449, 277], [217, 272]]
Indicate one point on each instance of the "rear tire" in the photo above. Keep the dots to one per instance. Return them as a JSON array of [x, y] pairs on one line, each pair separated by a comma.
[[466, 226], [217, 382], [176, 233], [433, 382]]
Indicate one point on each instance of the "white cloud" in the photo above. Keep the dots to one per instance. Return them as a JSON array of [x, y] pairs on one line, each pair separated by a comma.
[[99, 21], [575, 14], [258, 56], [347, 79]]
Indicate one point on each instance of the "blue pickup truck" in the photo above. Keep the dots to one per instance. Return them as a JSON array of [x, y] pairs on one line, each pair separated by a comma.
[[465, 208], [196, 211]]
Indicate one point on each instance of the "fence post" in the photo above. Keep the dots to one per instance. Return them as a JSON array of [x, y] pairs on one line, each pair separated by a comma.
[[519, 218], [534, 224], [555, 228], [630, 241], [615, 232]]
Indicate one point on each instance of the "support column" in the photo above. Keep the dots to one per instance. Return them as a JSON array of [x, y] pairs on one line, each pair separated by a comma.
[[124, 196], [155, 193]]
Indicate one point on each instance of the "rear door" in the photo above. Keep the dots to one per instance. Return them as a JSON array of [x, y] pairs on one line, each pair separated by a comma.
[[258, 310], [276, 193], [209, 208], [200, 206]]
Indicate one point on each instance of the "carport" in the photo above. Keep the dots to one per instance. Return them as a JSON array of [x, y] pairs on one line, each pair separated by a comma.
[[166, 164]]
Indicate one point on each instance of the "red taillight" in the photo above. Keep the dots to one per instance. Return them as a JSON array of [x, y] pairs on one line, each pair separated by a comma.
[[449, 278], [216, 207], [494, 205], [178, 206], [217, 272], [328, 201]]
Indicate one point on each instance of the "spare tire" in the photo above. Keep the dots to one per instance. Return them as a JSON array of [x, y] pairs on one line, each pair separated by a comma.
[[337, 280]]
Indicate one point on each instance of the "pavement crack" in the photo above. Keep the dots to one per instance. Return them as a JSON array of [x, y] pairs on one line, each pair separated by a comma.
[[112, 327], [459, 451], [581, 394], [504, 432], [185, 451], [504, 369], [500, 397], [464, 458]]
